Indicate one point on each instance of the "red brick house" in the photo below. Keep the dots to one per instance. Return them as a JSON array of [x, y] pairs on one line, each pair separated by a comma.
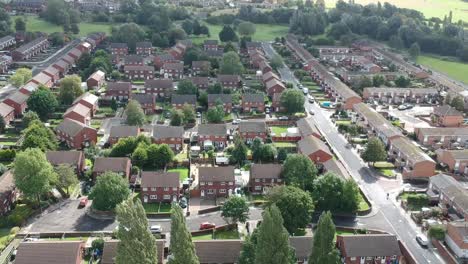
[[119, 90], [200, 82], [224, 99], [249, 130], [413, 162], [84, 47], [179, 100], [6, 42], [216, 181], [8, 193], [159, 87], [53, 73], [177, 53], [121, 166], [47, 252], [212, 135], [144, 48], [75, 53], [18, 102], [264, 176], [173, 136], [222, 251], [30, 49], [173, 70], [159, 60], [118, 132], [254, 46], [307, 128], [276, 103], [73, 158], [446, 116], [147, 102], [451, 196], [253, 102], [5, 62], [274, 86], [442, 137], [7, 112], [266, 77], [264, 67], [455, 238], [79, 113], [139, 72], [119, 49], [44, 79], [369, 248], [315, 149], [28, 88], [210, 44], [89, 100], [110, 251], [229, 81], [63, 66], [96, 80], [455, 160], [134, 60], [75, 134], [159, 186], [201, 67]]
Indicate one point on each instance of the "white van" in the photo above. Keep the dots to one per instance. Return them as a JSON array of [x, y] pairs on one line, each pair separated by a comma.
[[305, 90]]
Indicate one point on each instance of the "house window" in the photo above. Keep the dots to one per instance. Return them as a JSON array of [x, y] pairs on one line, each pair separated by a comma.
[[153, 189], [222, 191], [166, 197], [210, 183], [153, 197], [202, 183], [258, 188], [210, 191], [166, 189], [223, 183], [257, 180], [145, 189], [231, 183], [174, 188]]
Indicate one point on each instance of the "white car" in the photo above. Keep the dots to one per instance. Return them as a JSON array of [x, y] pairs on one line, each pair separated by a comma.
[[236, 121], [156, 229], [283, 118], [422, 240]]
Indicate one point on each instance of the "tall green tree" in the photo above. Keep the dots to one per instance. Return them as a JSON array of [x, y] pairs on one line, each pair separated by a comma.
[[273, 239], [276, 62], [231, 64], [137, 244], [182, 250], [246, 28], [374, 151], [227, 34], [20, 25], [37, 135], [140, 155], [215, 114], [129, 33], [159, 155], [186, 87], [293, 100], [43, 102], [135, 114], [323, 249], [247, 255], [189, 113], [239, 152], [414, 50], [21, 76], [28, 117], [236, 209], [177, 117], [67, 177], [33, 174], [70, 89], [300, 171], [110, 190], [458, 103]]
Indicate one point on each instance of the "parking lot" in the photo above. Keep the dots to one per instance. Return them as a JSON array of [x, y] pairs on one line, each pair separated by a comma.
[[410, 117]]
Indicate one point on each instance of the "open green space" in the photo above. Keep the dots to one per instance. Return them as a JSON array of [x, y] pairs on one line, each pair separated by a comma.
[[208, 236], [284, 144], [279, 129], [453, 69], [363, 205], [157, 207], [387, 173], [218, 234], [5, 237], [183, 173]]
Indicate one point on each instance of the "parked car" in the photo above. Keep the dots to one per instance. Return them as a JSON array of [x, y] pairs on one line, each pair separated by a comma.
[[236, 121], [156, 229], [183, 202], [311, 99], [305, 90], [311, 112], [283, 118], [207, 225], [422, 241], [198, 114], [402, 107], [83, 202]]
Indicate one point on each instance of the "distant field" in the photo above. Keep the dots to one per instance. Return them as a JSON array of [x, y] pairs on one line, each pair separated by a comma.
[[264, 32], [430, 8], [456, 70], [34, 23]]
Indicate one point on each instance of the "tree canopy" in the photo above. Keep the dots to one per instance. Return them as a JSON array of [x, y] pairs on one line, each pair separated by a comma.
[[21, 76], [332, 193], [293, 100], [231, 64], [300, 171], [70, 89], [236, 209], [228, 34], [135, 114], [43, 102], [109, 191], [323, 249], [181, 247], [374, 151]]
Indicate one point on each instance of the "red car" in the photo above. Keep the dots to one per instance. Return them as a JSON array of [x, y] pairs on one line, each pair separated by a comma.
[[207, 225], [83, 202]]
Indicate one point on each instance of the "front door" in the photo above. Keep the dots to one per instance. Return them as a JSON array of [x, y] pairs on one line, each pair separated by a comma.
[[145, 198], [202, 193]]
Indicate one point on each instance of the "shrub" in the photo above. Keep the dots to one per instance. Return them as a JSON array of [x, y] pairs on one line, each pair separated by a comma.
[[437, 232], [7, 154], [417, 200], [19, 215], [98, 244], [14, 230]]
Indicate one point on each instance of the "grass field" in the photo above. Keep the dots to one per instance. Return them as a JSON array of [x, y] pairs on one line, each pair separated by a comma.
[[430, 8], [34, 23], [264, 32], [157, 207], [279, 129], [456, 70]]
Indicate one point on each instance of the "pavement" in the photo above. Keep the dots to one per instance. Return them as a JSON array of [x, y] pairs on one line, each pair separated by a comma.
[[387, 214]]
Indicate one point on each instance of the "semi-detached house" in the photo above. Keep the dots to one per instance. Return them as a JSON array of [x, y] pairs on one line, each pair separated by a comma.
[[159, 186], [413, 162], [216, 181], [159, 87]]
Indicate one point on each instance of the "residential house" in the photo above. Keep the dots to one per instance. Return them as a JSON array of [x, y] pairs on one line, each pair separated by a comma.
[[224, 99], [159, 87], [53, 73], [315, 149], [177, 53], [121, 166], [72, 158], [119, 90], [264, 67], [47, 252], [5, 62], [144, 72], [224, 251], [29, 6], [89, 100], [307, 127], [147, 102], [455, 160], [173, 70], [210, 44], [134, 60], [264, 176], [173, 136], [456, 238], [276, 103], [84, 47], [369, 248], [144, 48], [28, 88], [7, 112], [161, 59], [214, 53], [274, 86], [253, 102], [256, 58], [6, 42], [160, 186], [266, 77], [212, 135], [75, 53], [179, 100], [397, 95], [76, 134], [250, 130], [254, 45], [413, 162], [118, 132], [446, 116], [18, 101], [30, 49], [200, 82], [96, 80], [110, 251], [451, 196], [442, 137], [201, 67], [42, 79], [63, 66], [79, 113], [302, 246], [8, 193], [229, 81], [216, 181], [119, 49]]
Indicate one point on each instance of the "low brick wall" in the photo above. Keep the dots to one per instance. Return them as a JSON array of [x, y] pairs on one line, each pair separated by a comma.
[[209, 210], [409, 258], [158, 215], [444, 252], [281, 123], [286, 139]]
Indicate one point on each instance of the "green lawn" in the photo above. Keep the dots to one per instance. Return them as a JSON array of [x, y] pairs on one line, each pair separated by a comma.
[[222, 234], [383, 165], [157, 207], [343, 122], [363, 205], [203, 237], [456, 70], [387, 173], [279, 129], [183, 173], [264, 32], [284, 144]]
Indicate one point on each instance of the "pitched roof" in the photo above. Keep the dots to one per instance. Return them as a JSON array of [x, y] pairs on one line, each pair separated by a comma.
[[6, 38], [51, 70], [79, 109], [162, 132], [224, 98], [265, 171], [62, 63], [212, 129], [411, 151], [70, 157], [269, 75], [87, 97], [370, 245], [143, 98], [214, 53], [253, 98], [71, 127], [30, 87], [119, 86], [376, 120], [210, 42], [115, 45], [42, 78], [133, 59], [216, 174], [5, 109], [110, 251], [311, 144], [30, 44], [48, 252], [18, 97], [75, 52], [159, 179], [274, 82], [307, 127], [228, 78], [184, 99], [442, 181], [144, 44], [218, 251], [159, 83], [97, 75], [461, 154], [253, 44], [111, 164], [253, 126], [443, 131], [199, 80], [302, 246], [446, 110], [138, 68], [7, 181], [178, 66], [201, 64], [124, 131]]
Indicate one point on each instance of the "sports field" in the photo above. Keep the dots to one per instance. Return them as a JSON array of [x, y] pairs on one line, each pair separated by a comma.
[[456, 70]]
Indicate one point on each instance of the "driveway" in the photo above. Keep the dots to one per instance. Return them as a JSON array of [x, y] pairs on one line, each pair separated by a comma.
[[409, 117]]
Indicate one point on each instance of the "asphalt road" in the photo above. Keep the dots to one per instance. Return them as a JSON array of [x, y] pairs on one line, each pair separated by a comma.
[[386, 214]]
